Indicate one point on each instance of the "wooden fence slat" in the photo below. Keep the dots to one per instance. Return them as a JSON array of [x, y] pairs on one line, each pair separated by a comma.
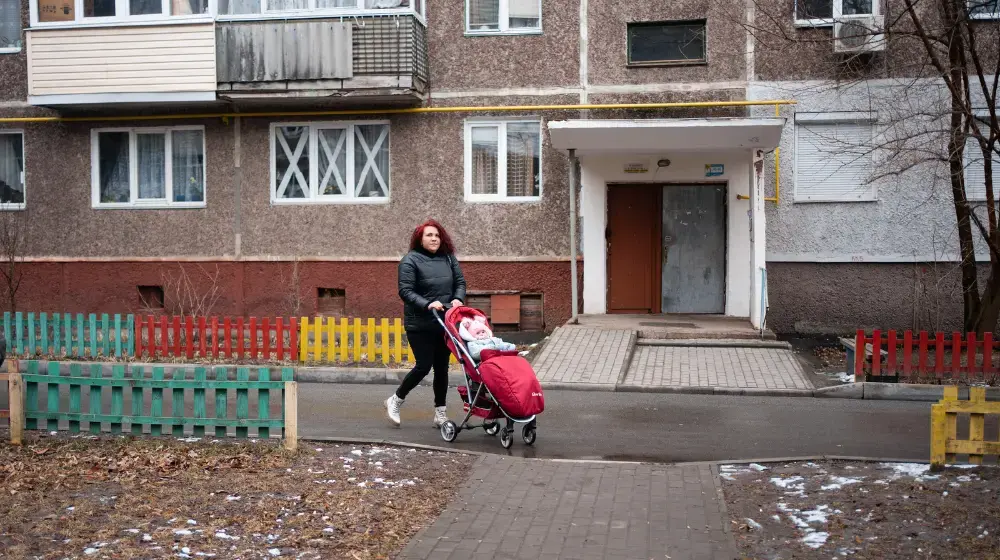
[[117, 398], [304, 338], [177, 404], [93, 334], [971, 352], [202, 338], [242, 401], [264, 402], [397, 341], [293, 343], [939, 355], [164, 336], [156, 403], [371, 341], [265, 346], [105, 334], [384, 342], [32, 348], [19, 334], [96, 397], [52, 396], [345, 342], [227, 337], [118, 335], [137, 397], [81, 337], [956, 355], [317, 332], [200, 409], [923, 354], [43, 321], [253, 338], [221, 402], [988, 354], [977, 422], [891, 365], [68, 328], [876, 353], [356, 342], [240, 347], [189, 340], [907, 354], [951, 419], [214, 324], [129, 328], [331, 339], [279, 329], [31, 398], [11, 340], [57, 334], [75, 395], [176, 332]]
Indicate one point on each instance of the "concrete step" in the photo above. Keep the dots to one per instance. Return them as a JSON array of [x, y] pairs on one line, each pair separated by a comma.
[[713, 343]]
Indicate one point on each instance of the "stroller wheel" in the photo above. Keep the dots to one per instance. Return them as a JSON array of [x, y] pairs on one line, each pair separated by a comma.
[[528, 434], [449, 431], [492, 428], [506, 438]]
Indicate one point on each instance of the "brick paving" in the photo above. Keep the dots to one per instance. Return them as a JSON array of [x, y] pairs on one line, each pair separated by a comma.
[[524, 509], [584, 355], [744, 368]]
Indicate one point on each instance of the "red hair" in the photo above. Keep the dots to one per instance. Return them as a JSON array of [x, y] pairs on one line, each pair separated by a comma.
[[447, 246]]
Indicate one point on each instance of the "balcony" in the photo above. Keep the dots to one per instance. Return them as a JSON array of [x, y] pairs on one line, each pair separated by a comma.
[[203, 52], [371, 57]]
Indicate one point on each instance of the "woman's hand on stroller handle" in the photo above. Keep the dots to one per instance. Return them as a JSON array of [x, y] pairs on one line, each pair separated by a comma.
[[436, 306]]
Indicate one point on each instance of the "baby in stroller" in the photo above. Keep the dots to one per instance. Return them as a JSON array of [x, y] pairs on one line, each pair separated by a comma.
[[478, 337]]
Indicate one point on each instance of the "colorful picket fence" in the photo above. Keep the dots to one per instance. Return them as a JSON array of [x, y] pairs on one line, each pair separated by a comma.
[[946, 446], [42, 406], [267, 339], [913, 357], [327, 339], [65, 335]]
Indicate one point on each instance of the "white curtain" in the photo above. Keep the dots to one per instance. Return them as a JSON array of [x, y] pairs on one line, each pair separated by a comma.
[[485, 160], [239, 7], [11, 169], [188, 166], [113, 166], [522, 159], [10, 24], [151, 156], [370, 183], [484, 14]]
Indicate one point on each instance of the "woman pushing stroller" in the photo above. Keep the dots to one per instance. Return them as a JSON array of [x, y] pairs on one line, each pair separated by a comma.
[[429, 279]]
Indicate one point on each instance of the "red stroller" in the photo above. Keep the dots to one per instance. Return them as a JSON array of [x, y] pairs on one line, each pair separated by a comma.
[[502, 385]]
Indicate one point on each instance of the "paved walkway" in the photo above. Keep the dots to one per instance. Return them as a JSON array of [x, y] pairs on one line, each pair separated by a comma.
[[612, 358], [521, 509]]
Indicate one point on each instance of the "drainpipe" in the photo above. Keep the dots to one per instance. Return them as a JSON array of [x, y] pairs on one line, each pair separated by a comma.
[[572, 232]]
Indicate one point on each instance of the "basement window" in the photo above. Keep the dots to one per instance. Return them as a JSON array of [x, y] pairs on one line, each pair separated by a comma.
[[151, 297], [331, 302]]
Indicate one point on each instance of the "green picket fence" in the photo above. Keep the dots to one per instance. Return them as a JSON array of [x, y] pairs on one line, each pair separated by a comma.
[[67, 335], [147, 399]]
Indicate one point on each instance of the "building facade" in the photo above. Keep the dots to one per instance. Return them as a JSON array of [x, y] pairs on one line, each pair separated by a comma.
[[278, 154]]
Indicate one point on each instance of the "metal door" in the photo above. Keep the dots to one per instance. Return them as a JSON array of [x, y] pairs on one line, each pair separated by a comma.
[[633, 247], [694, 249]]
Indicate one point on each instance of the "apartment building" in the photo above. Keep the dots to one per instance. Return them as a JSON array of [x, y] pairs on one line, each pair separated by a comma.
[[281, 151]]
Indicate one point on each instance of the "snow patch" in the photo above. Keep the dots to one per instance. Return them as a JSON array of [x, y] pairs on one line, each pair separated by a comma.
[[816, 539], [914, 470], [838, 482]]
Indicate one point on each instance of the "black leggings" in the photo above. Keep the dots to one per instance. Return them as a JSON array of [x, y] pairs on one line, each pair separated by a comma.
[[430, 352]]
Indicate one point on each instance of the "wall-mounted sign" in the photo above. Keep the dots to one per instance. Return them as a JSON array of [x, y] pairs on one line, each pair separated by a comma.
[[714, 169], [636, 168]]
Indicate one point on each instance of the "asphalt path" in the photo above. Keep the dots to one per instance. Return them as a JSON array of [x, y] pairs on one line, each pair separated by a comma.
[[642, 427]]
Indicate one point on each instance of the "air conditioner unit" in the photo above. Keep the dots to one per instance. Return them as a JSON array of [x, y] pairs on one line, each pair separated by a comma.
[[858, 34]]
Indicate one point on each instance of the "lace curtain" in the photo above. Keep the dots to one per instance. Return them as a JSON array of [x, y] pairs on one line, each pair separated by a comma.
[[11, 169]]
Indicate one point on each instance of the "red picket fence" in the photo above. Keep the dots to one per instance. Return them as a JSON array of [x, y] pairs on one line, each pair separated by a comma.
[[233, 338], [925, 357]]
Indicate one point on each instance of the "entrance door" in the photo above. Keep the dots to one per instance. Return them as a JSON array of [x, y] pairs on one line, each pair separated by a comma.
[[694, 241], [633, 249]]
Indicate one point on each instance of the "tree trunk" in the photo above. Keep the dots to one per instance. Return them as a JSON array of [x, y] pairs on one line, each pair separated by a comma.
[[970, 281]]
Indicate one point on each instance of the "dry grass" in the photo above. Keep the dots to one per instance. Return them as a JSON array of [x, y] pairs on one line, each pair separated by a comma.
[[118, 497]]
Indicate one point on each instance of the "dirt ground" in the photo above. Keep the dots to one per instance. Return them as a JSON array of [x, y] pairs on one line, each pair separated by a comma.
[[863, 510], [122, 498]]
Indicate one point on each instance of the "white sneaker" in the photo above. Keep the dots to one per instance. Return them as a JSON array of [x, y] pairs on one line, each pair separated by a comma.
[[392, 405], [440, 416]]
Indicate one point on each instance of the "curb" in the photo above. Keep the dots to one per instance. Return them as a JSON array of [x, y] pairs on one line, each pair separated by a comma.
[[714, 343]]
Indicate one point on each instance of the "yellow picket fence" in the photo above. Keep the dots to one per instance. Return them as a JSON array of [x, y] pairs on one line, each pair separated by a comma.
[[945, 444], [328, 340]]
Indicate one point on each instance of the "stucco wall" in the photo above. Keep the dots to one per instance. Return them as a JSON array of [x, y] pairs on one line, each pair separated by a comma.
[[460, 62], [14, 67], [608, 58], [913, 218]]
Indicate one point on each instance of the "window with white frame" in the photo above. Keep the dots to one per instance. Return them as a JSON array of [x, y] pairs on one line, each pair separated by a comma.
[[330, 162], [148, 167], [97, 11], [503, 16], [984, 9], [344, 7], [825, 12], [975, 169], [11, 170], [10, 26], [503, 160], [833, 160]]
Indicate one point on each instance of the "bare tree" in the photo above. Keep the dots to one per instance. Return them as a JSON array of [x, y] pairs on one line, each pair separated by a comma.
[[184, 296], [943, 61], [13, 240]]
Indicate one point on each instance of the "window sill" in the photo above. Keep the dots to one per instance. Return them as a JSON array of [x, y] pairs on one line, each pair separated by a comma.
[[985, 17], [329, 201], [503, 33], [130, 22], [10, 50], [11, 207], [158, 206], [502, 200], [667, 64], [813, 23], [834, 200]]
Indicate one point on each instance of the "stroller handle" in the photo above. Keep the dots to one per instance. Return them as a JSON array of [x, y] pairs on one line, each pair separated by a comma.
[[440, 319]]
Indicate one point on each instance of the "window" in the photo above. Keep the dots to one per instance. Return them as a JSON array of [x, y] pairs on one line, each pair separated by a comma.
[[660, 43], [503, 16], [10, 26], [833, 159], [330, 162], [148, 167], [503, 161], [246, 7], [984, 9], [151, 297], [975, 170], [52, 11], [825, 12], [11, 170]]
